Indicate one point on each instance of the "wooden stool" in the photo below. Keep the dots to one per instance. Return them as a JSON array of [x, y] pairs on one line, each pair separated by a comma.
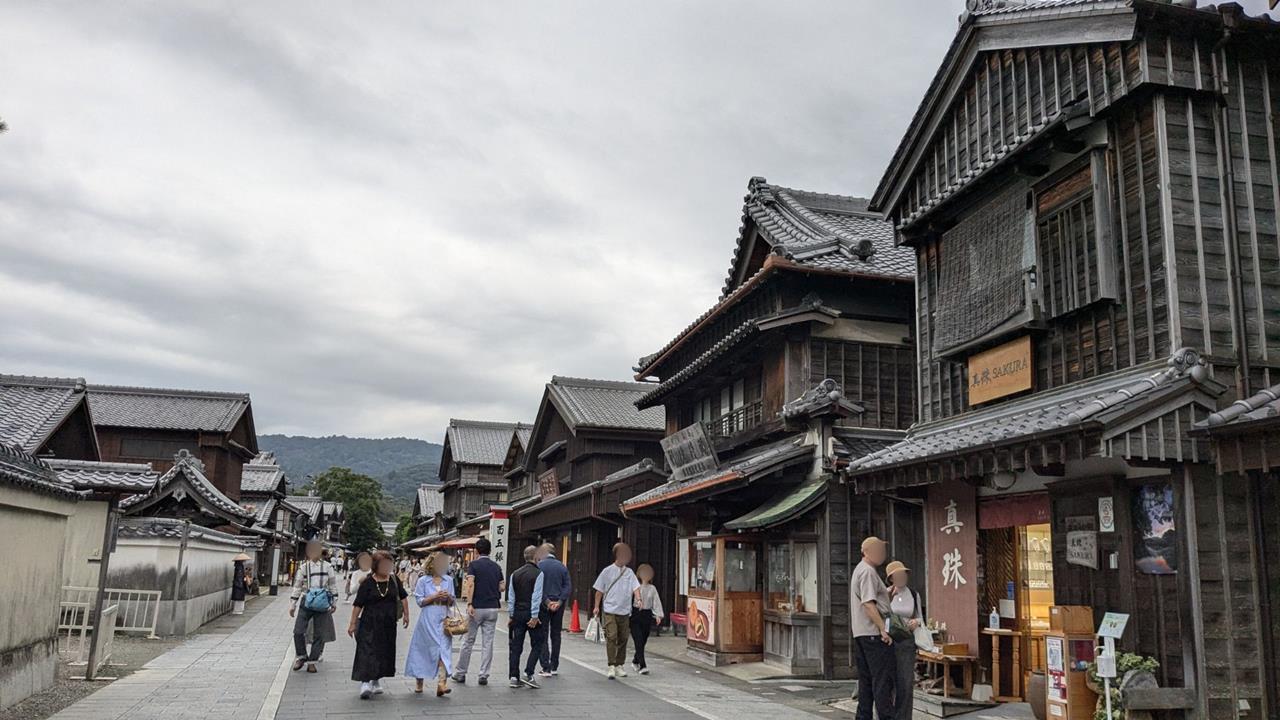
[[1015, 665], [938, 668]]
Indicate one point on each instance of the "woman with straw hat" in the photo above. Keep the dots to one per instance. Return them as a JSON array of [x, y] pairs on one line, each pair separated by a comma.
[[906, 612]]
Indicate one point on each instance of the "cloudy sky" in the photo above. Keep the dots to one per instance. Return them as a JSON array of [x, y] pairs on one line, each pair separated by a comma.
[[374, 220]]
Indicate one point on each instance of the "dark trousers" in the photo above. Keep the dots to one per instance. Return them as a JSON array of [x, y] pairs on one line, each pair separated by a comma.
[[641, 626], [537, 639], [550, 659], [877, 675]]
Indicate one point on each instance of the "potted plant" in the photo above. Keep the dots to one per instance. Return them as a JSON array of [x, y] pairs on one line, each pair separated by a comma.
[[1132, 670]]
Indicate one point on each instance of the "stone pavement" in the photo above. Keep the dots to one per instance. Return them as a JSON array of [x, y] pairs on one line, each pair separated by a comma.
[[245, 674]]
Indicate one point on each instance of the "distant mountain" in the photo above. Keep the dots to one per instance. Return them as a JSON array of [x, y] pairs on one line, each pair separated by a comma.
[[401, 464]]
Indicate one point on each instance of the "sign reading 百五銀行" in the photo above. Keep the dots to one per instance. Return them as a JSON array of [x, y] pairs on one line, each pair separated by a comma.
[[1000, 371]]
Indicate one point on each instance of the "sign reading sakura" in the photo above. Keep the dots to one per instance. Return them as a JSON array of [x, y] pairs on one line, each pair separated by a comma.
[[951, 566], [954, 525]]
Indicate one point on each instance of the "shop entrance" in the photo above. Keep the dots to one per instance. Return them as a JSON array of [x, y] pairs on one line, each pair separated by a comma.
[[1015, 548]]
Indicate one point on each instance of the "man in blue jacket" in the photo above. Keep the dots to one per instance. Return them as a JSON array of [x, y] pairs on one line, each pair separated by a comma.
[[556, 596]]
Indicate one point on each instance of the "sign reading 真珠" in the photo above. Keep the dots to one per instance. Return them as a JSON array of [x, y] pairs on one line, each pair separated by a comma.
[[1002, 370]]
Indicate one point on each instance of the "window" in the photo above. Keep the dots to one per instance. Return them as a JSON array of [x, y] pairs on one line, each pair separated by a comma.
[[1074, 269], [734, 408], [704, 566], [792, 577], [740, 573]]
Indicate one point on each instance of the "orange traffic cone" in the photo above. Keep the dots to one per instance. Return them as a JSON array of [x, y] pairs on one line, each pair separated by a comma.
[[574, 625]]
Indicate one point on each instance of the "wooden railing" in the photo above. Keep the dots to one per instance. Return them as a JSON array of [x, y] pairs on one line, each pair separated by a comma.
[[735, 421]]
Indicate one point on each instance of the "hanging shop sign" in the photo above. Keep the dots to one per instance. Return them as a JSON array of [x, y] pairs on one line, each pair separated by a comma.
[[689, 452], [1001, 371], [549, 484], [1082, 548], [499, 524]]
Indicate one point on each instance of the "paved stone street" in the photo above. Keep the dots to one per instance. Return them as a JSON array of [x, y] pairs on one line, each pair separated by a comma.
[[245, 674]]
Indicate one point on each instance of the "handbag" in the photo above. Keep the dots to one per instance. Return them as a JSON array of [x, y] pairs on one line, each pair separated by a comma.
[[594, 632], [456, 623]]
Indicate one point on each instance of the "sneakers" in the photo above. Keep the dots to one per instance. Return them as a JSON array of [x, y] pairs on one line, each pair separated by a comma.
[[545, 673], [529, 682], [620, 671], [554, 672], [484, 680], [377, 687], [612, 674], [462, 679], [643, 671], [366, 689], [515, 683]]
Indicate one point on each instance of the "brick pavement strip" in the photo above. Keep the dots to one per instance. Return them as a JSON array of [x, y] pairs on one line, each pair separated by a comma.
[[245, 674]]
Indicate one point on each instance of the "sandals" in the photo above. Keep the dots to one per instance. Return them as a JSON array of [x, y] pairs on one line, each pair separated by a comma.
[[418, 688]]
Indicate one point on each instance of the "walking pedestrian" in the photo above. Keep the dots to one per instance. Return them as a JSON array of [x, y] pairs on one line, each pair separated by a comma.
[[431, 649], [364, 564], [877, 663], [557, 588], [312, 602], [647, 614], [617, 591], [526, 618], [416, 571], [482, 607], [380, 601], [908, 614]]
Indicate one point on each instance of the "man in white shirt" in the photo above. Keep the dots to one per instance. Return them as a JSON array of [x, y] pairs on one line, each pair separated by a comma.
[[617, 591]]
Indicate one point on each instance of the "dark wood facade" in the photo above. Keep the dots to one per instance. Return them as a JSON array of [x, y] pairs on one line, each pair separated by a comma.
[[224, 454], [1103, 180], [471, 473]]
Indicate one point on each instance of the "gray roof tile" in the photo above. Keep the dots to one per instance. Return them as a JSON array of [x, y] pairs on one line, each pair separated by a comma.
[[105, 476], [604, 404], [135, 407], [1263, 405], [31, 408], [429, 501], [476, 442], [21, 469], [262, 474]]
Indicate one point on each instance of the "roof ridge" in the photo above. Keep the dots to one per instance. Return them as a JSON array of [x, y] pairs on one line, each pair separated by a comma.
[[496, 424], [77, 383], [66, 464], [620, 385], [171, 392]]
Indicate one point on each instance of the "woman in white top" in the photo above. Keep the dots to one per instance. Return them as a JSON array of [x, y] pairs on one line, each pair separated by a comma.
[[905, 604], [364, 565], [648, 613]]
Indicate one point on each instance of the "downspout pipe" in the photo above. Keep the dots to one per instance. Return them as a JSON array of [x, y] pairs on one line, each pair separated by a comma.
[[1239, 328]]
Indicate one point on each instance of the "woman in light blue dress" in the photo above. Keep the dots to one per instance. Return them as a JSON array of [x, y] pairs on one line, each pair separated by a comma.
[[431, 650]]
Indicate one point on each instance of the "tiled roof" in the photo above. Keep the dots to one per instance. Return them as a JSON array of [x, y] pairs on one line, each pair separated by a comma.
[[154, 527], [830, 232], [108, 476], [604, 404], [189, 467], [136, 407], [765, 458], [31, 408], [857, 442], [262, 474], [430, 500], [24, 470], [644, 466], [309, 504], [1041, 414], [1264, 405], [475, 442], [262, 510], [738, 335], [524, 432]]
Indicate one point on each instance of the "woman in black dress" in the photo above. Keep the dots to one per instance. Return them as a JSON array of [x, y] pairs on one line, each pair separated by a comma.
[[373, 624]]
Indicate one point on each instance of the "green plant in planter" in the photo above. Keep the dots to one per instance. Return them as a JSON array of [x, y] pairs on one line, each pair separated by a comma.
[[1126, 663]]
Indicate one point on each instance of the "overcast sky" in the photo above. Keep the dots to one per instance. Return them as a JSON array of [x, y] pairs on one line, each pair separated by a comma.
[[375, 220]]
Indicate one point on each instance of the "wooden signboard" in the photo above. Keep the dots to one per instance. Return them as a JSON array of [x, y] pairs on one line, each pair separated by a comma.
[[1000, 371], [951, 543], [689, 452], [549, 484]]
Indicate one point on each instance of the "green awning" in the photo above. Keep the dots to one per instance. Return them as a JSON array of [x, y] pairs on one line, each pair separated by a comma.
[[783, 507]]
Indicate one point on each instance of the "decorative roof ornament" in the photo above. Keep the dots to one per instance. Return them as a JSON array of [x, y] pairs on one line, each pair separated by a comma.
[[864, 249], [184, 457], [1188, 361], [825, 397]]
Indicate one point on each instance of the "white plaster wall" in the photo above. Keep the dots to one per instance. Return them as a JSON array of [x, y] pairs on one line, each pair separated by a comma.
[[84, 543], [152, 564]]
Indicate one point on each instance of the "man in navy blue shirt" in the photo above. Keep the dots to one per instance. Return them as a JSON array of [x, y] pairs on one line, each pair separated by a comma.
[[556, 595], [482, 606]]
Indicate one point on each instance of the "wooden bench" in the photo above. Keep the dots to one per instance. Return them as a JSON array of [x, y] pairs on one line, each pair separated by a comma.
[[938, 673]]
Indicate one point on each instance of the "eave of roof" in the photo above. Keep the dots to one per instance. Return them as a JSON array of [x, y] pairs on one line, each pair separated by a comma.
[[105, 477]]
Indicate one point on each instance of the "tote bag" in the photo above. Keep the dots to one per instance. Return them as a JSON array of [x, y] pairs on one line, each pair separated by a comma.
[[594, 633]]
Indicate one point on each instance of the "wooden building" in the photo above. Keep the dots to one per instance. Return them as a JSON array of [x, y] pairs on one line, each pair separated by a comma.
[[806, 361], [471, 468], [590, 449], [184, 492], [1090, 188], [47, 417], [263, 487], [151, 425]]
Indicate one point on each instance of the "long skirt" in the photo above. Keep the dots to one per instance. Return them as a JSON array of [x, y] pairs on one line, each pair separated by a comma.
[[375, 648]]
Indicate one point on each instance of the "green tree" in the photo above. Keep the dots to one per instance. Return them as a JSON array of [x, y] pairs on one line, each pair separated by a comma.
[[361, 496], [404, 530]]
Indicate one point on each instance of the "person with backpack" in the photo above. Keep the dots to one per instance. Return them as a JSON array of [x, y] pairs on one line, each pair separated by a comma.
[[313, 600], [380, 601], [617, 590]]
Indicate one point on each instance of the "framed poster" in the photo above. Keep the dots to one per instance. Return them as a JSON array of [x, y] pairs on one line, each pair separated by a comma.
[[702, 620], [1155, 546], [1056, 666]]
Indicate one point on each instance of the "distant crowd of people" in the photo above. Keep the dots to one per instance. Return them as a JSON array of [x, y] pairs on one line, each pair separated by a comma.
[[535, 597]]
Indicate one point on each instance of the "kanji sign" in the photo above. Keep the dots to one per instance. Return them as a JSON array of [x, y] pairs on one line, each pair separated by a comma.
[[1000, 371]]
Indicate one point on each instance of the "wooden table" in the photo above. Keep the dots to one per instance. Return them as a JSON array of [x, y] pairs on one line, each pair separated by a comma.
[[938, 667], [1015, 665]]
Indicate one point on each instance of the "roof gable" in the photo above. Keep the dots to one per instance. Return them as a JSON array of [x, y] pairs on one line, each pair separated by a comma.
[[428, 501], [263, 474], [476, 442], [186, 481], [32, 409], [166, 409]]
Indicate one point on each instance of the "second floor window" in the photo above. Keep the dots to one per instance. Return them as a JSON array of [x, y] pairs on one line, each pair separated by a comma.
[[733, 408], [1074, 267]]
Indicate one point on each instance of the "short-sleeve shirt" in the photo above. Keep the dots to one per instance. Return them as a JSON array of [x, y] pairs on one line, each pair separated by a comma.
[[866, 586], [487, 574], [619, 597]]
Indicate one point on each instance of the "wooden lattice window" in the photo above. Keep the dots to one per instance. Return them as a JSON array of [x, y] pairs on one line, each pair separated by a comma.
[[1074, 267]]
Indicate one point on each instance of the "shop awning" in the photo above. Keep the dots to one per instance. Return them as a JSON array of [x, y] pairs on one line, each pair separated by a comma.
[[783, 507], [455, 543], [1143, 412]]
